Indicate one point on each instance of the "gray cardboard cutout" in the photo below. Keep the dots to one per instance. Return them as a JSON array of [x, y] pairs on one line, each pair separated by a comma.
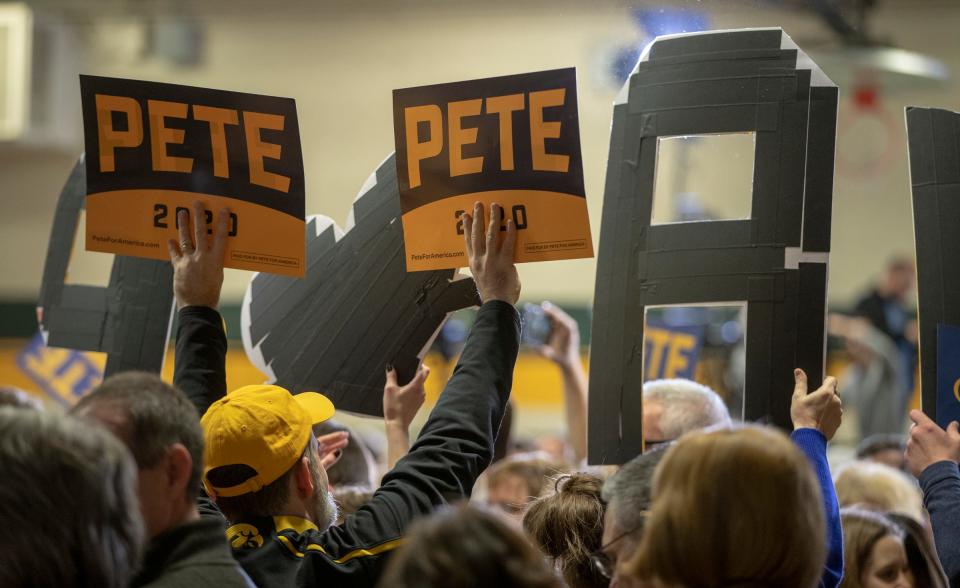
[[356, 310], [129, 320], [753, 80]]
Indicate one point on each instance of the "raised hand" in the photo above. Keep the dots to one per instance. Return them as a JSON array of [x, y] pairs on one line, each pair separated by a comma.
[[331, 447], [929, 444], [820, 409], [401, 403], [198, 262], [491, 257], [563, 344]]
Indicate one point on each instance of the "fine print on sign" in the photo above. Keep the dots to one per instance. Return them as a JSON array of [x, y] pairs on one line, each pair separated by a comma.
[[512, 140], [154, 149]]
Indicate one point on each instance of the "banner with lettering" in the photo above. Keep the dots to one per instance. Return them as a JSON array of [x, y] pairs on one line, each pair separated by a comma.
[[154, 149], [512, 140]]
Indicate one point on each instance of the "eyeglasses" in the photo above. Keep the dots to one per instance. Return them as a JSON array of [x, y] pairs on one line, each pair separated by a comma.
[[602, 562]]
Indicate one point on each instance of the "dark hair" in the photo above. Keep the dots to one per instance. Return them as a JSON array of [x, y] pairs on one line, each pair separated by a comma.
[[353, 467], [157, 416], [68, 503], [464, 547], [880, 442], [265, 502], [921, 554], [628, 492], [568, 527]]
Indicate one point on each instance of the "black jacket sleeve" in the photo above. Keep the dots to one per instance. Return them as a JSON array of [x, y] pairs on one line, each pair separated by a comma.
[[200, 368], [941, 495], [454, 446]]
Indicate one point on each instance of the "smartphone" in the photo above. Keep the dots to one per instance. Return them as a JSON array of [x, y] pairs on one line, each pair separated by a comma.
[[536, 326]]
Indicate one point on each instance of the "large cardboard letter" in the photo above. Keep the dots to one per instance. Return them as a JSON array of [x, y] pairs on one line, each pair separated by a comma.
[[130, 319], [934, 136], [356, 309], [775, 262]]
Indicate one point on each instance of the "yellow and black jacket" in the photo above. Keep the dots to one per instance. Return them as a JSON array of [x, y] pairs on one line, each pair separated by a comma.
[[454, 447]]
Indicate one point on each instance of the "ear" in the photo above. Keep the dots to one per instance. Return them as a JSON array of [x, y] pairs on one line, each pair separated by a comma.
[[179, 466], [303, 479]]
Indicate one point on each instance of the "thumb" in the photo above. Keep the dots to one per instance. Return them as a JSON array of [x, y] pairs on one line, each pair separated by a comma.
[[919, 417], [953, 430], [391, 376], [800, 383]]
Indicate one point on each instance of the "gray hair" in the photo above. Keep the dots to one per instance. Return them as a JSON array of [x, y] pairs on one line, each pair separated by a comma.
[[628, 492], [68, 503], [687, 406], [157, 415]]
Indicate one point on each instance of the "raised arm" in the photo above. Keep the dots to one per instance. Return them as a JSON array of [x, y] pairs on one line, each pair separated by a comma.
[[932, 456], [201, 353], [816, 417], [456, 443], [400, 406], [563, 348]]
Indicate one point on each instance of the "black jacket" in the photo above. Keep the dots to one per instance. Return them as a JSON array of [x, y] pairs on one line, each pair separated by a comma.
[[191, 555], [454, 447]]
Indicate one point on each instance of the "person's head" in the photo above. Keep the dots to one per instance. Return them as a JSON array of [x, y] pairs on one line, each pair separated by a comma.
[[921, 553], [162, 430], [262, 458], [674, 407], [878, 487], [464, 547], [885, 448], [873, 550], [68, 503], [17, 398], [899, 278], [567, 526], [356, 466], [628, 496], [513, 482], [733, 507]]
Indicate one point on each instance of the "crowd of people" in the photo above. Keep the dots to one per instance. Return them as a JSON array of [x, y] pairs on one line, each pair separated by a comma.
[[146, 483]]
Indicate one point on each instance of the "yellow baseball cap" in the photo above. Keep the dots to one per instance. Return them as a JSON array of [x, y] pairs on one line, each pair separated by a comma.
[[262, 427]]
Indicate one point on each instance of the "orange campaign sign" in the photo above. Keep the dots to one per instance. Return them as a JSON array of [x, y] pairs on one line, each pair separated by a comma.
[[512, 140], [153, 149]]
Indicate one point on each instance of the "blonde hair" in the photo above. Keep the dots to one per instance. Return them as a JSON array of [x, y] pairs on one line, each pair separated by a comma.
[[536, 469], [567, 526], [861, 531], [734, 507], [876, 486]]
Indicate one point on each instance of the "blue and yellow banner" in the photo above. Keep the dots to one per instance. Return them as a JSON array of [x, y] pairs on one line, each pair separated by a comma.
[[671, 351], [948, 374]]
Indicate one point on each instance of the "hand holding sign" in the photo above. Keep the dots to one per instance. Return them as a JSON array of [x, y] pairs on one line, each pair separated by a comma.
[[929, 444], [198, 263], [820, 409], [491, 257]]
